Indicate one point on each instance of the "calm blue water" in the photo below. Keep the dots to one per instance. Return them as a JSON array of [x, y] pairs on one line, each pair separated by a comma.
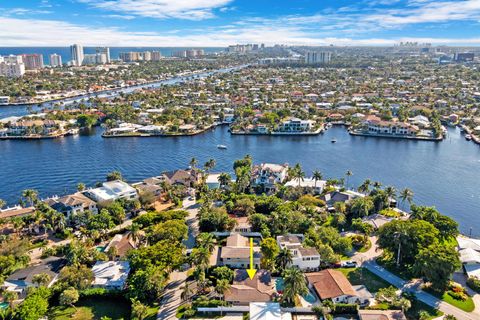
[[114, 51], [445, 174]]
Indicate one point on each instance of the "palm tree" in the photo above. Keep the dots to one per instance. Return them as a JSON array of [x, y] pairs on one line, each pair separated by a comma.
[[41, 279], [186, 292], [80, 187], [348, 174], [295, 284], [406, 195], [209, 165], [223, 285], [193, 163], [317, 176], [30, 195], [391, 193], [284, 258], [206, 240], [297, 173], [2, 203], [200, 257], [224, 179], [377, 185], [365, 186]]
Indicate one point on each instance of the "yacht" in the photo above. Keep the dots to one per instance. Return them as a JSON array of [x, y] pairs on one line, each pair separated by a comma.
[[221, 146]]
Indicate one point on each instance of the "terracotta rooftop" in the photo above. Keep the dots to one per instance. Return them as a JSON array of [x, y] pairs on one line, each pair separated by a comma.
[[330, 283]]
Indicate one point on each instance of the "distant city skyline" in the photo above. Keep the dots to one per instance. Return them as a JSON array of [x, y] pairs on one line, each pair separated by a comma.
[[218, 23]]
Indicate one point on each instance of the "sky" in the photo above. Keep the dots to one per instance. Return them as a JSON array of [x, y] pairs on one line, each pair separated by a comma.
[[219, 23]]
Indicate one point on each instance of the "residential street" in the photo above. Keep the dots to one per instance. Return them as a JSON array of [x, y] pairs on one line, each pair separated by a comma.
[[171, 299], [367, 260]]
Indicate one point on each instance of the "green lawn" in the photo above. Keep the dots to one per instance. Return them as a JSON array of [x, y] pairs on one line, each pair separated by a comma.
[[359, 276], [466, 305], [93, 308]]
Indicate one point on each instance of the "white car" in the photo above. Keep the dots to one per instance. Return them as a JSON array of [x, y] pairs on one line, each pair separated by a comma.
[[349, 264]]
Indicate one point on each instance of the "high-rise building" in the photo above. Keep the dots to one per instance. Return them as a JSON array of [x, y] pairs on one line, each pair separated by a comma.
[[180, 54], [33, 61], [130, 56], [55, 60], [12, 67], [105, 51], [156, 56], [76, 51], [147, 56], [313, 57]]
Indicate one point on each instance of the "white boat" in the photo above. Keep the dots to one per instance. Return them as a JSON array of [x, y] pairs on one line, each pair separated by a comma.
[[334, 140], [468, 137], [221, 146]]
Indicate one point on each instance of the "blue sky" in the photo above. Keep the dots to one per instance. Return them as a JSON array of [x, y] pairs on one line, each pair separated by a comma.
[[224, 22]]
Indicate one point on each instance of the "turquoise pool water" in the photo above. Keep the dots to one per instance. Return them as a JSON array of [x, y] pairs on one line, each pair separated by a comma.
[[3, 305], [280, 286]]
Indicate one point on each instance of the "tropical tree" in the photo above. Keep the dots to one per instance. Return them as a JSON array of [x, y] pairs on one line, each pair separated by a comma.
[[406, 195], [114, 175], [139, 310], [186, 292], [295, 284], [193, 163], [69, 297], [348, 174], [41, 279], [362, 206], [206, 240], [30, 195], [81, 187], [317, 176], [365, 186], [200, 257], [224, 179], [2, 203], [284, 258], [209, 165], [391, 193], [222, 286]]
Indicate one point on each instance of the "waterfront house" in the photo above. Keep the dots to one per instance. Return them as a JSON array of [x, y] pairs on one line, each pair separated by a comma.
[[16, 211], [295, 125], [29, 127], [377, 220], [110, 275], [212, 181], [332, 284], [316, 185], [340, 196], [188, 178], [469, 251], [306, 259], [245, 290], [150, 185], [73, 204], [267, 175], [236, 252], [22, 279], [374, 125], [111, 191]]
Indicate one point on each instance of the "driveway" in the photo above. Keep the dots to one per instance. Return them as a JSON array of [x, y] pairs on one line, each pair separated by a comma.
[[171, 299], [368, 260]]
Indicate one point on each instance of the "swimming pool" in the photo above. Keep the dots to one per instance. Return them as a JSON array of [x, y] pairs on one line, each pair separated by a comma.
[[280, 286], [3, 305]]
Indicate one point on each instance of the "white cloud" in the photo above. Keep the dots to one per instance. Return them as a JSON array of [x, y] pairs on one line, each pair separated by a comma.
[[32, 32], [161, 9]]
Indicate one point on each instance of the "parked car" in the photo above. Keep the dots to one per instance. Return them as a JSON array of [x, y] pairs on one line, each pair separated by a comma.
[[349, 264]]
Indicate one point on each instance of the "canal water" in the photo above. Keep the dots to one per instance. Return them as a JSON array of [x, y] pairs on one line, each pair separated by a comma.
[[442, 174]]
